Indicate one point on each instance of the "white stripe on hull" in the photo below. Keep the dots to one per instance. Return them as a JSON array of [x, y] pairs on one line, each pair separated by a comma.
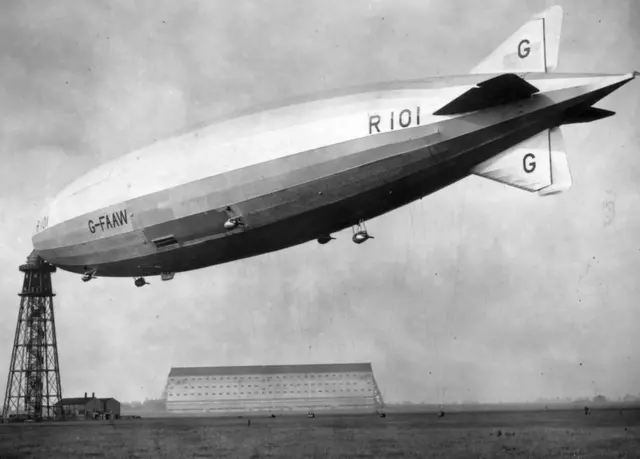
[[206, 153]]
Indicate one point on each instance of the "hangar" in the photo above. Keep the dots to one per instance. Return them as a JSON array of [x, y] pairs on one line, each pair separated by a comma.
[[273, 389]]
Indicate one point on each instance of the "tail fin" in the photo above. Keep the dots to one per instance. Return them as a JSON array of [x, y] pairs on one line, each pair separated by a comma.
[[533, 48], [539, 164]]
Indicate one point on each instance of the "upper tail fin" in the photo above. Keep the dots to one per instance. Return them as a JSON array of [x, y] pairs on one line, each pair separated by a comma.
[[533, 48]]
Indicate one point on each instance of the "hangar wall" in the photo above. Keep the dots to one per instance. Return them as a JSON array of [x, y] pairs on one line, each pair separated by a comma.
[[273, 388]]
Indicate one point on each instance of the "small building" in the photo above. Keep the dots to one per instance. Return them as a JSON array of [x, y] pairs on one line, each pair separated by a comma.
[[77, 407], [87, 408], [273, 389], [110, 407]]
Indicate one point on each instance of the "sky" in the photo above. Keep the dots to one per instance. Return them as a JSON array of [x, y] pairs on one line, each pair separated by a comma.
[[479, 292]]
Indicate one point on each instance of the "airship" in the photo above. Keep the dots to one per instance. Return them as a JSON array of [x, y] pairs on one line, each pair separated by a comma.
[[304, 169]]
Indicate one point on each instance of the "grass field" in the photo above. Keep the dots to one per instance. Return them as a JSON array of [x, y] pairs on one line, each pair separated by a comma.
[[534, 434]]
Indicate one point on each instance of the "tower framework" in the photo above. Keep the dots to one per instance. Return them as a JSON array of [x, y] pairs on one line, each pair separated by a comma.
[[33, 383]]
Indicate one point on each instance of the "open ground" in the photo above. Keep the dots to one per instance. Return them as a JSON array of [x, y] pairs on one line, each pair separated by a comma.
[[568, 433]]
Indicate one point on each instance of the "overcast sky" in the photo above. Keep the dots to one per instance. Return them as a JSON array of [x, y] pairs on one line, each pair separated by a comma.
[[479, 292]]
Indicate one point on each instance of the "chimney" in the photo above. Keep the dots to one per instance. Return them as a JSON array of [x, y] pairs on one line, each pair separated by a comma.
[[85, 395], [93, 395]]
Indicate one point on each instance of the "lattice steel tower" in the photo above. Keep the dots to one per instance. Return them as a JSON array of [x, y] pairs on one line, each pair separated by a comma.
[[33, 384]]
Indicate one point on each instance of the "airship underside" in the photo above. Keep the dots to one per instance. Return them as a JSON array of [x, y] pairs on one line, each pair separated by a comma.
[[289, 174]]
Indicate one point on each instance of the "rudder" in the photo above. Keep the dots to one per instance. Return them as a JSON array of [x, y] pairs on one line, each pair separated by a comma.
[[533, 47]]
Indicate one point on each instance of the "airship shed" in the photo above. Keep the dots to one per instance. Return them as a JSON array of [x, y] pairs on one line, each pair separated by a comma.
[[275, 389]]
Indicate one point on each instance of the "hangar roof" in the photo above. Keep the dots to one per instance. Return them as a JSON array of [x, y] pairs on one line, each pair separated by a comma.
[[272, 369]]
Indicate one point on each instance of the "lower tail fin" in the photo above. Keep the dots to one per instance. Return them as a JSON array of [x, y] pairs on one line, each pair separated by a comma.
[[532, 48], [539, 164]]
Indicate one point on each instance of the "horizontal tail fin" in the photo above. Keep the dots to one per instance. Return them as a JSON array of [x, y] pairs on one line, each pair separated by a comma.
[[533, 47], [588, 115], [502, 89]]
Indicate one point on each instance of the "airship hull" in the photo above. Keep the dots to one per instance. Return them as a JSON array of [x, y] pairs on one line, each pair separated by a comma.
[[282, 175], [293, 198]]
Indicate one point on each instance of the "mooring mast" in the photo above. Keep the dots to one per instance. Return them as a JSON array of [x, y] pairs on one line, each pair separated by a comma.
[[33, 384]]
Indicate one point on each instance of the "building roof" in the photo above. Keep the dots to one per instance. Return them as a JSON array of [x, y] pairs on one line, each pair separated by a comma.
[[271, 369], [75, 401]]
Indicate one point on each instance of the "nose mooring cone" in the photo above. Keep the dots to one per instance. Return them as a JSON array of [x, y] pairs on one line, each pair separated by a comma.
[[33, 258]]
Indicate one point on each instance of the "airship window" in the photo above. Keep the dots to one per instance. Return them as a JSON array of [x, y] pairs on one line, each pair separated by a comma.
[[164, 242]]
